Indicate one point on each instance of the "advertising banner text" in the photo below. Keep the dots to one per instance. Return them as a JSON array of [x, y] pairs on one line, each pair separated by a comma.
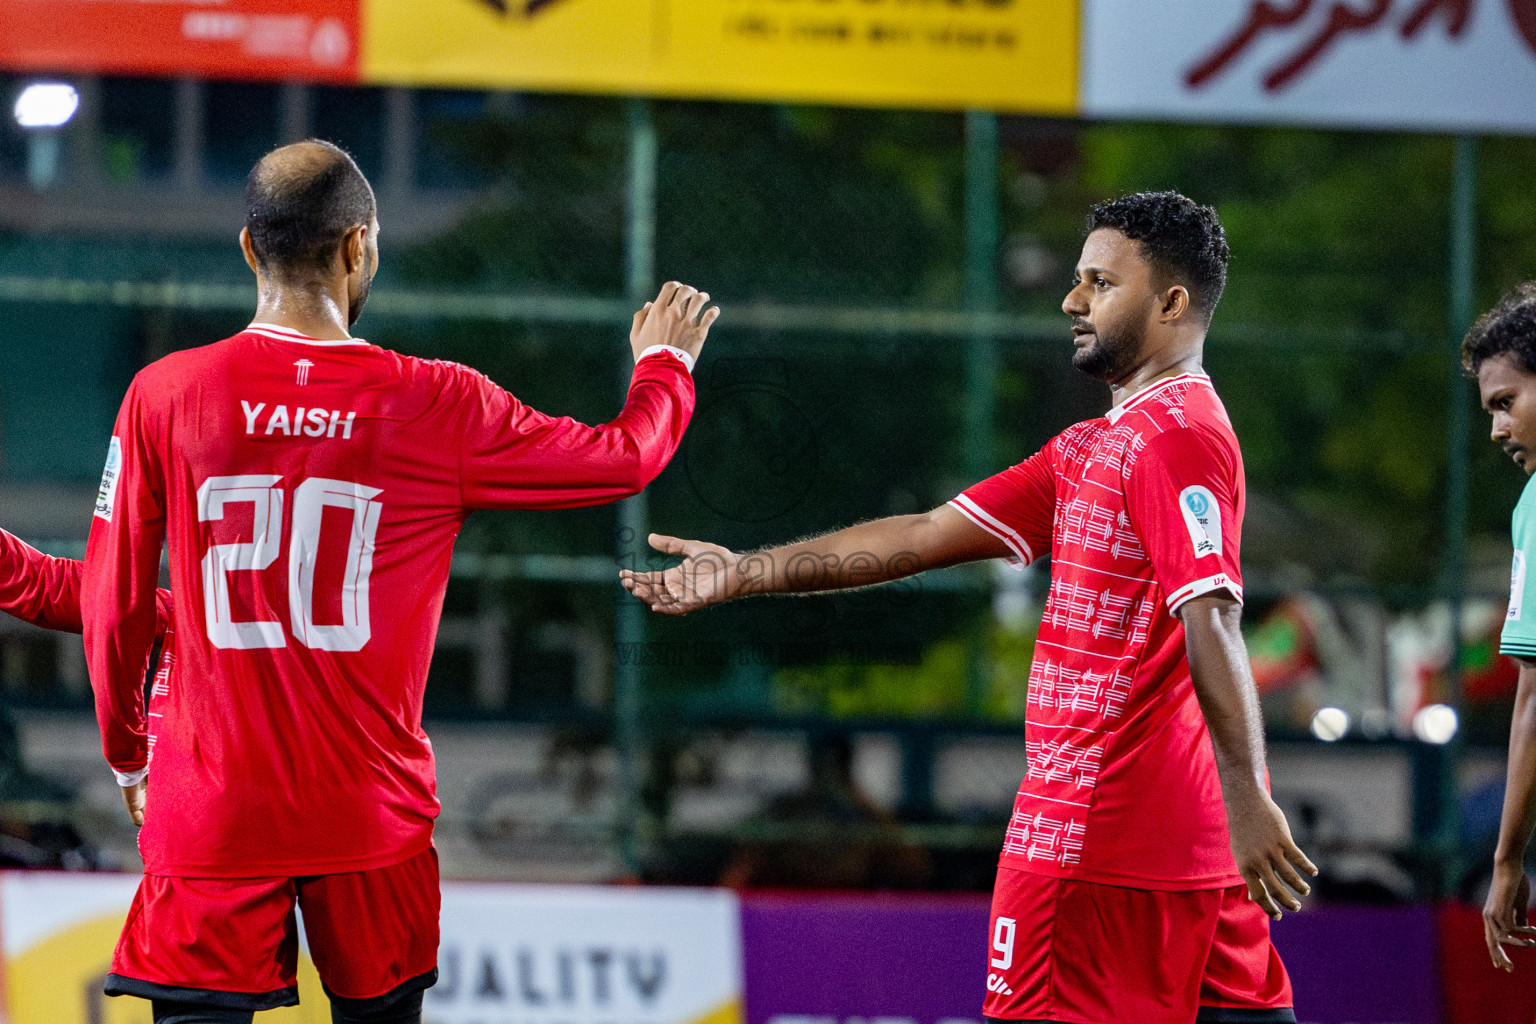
[[307, 40]]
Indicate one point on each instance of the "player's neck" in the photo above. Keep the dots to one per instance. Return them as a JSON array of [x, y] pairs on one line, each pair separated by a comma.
[[312, 313], [1150, 373]]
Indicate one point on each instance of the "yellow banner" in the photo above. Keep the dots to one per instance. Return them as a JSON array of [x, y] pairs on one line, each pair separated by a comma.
[[59, 936], [1005, 55]]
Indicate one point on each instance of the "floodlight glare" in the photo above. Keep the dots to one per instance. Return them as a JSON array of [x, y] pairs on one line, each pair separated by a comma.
[[1330, 724], [1435, 723], [46, 105]]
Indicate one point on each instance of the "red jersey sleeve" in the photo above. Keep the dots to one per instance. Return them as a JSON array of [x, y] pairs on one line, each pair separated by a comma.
[[39, 588], [45, 590], [1184, 497], [1017, 506], [516, 457], [119, 605]]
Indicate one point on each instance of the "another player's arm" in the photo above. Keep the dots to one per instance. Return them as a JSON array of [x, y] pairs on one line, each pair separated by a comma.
[[513, 456], [1266, 855], [1509, 894], [859, 556], [44, 590], [39, 588]]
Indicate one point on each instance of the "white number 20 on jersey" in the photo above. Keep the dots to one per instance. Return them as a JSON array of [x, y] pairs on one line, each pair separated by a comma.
[[309, 500]]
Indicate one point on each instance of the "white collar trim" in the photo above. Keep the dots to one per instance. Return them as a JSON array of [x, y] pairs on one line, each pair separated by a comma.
[[1124, 407], [286, 334]]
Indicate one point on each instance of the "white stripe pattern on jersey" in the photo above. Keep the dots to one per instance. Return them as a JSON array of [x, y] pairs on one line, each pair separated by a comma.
[[1002, 531]]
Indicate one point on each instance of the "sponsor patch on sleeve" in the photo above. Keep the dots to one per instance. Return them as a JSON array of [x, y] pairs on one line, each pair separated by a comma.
[[1203, 517], [1516, 586], [106, 495]]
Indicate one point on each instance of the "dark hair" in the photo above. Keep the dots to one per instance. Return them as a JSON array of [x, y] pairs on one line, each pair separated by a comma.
[[1509, 327], [1181, 239], [300, 201]]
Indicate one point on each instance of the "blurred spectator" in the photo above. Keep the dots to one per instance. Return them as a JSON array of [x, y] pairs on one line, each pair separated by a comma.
[[844, 840]]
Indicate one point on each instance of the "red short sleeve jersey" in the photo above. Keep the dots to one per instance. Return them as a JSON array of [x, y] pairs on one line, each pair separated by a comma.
[[1140, 511], [308, 494]]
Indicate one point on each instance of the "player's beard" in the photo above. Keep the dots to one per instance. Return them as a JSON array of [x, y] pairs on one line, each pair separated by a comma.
[[355, 306], [1112, 352]]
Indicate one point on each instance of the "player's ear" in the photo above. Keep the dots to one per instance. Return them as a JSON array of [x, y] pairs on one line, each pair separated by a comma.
[[1175, 303], [249, 249], [354, 250]]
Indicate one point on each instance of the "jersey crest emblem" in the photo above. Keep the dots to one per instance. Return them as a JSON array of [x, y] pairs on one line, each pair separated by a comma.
[[304, 366]]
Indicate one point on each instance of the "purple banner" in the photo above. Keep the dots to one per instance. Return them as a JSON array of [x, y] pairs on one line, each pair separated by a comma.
[[1362, 965], [821, 959], [853, 959]]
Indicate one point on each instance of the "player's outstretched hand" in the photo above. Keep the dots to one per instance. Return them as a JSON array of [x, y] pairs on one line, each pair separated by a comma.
[[676, 317], [1504, 915], [1267, 856], [133, 799], [707, 575]]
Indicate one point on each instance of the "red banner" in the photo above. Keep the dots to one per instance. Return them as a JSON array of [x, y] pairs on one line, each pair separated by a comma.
[[310, 40]]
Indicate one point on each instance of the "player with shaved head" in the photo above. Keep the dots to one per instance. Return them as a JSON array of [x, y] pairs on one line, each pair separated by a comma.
[[307, 487], [1144, 850]]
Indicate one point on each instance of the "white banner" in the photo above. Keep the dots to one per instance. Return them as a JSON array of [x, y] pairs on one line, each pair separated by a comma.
[[529, 954], [1460, 66]]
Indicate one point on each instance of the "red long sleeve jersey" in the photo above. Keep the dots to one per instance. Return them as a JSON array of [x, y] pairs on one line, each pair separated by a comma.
[[39, 588], [309, 493], [45, 590]]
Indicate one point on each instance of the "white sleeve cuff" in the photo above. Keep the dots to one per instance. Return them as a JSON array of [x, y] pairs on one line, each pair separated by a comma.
[[1211, 584], [1022, 553], [126, 779], [670, 350]]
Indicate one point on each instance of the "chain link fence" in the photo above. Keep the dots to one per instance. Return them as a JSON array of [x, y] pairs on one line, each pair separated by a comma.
[[891, 332]]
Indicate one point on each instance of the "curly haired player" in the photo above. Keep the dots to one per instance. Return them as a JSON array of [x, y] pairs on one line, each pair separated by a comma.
[[1144, 850], [1500, 351]]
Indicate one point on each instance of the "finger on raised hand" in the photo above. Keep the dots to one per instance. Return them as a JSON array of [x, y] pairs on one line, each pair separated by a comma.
[[696, 302], [639, 321], [680, 299], [664, 296], [710, 316]]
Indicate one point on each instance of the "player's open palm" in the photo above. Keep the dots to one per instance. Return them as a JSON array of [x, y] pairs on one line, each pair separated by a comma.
[[1505, 920], [707, 575], [1270, 861], [676, 317]]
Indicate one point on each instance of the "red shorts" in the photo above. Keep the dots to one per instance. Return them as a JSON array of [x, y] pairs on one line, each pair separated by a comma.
[[235, 942], [1084, 953]]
